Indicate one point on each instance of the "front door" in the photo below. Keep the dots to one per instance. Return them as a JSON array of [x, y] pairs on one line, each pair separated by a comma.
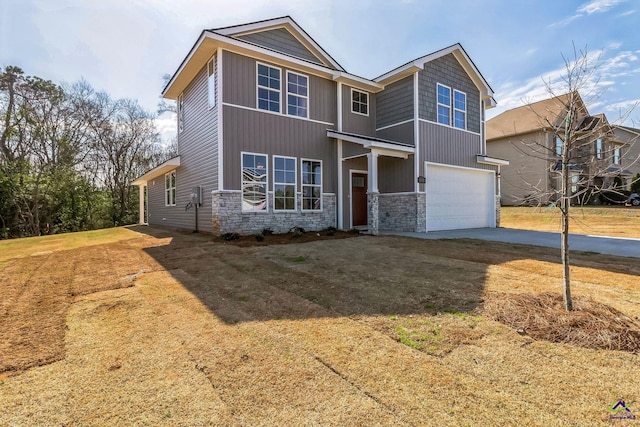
[[358, 199]]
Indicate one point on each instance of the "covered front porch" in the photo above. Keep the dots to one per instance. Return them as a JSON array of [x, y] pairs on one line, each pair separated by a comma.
[[376, 184]]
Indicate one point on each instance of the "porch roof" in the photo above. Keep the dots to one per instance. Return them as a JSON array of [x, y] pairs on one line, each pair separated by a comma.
[[165, 167], [381, 146]]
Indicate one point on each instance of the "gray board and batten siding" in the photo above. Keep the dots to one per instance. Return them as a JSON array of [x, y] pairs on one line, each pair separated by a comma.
[[275, 134], [354, 122], [198, 148], [447, 71], [449, 146], [281, 40], [239, 88]]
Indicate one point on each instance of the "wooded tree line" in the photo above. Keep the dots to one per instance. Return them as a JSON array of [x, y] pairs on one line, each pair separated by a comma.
[[68, 154]]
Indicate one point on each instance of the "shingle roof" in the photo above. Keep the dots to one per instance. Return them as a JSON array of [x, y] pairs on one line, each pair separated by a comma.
[[528, 118]]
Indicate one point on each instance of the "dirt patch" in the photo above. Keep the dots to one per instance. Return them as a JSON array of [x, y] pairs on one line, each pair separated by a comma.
[[542, 316], [293, 237], [38, 291]]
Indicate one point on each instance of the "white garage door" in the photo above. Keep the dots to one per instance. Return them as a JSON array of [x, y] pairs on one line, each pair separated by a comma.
[[459, 198]]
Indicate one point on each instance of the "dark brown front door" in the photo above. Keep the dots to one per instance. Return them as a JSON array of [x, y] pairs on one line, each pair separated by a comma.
[[359, 199]]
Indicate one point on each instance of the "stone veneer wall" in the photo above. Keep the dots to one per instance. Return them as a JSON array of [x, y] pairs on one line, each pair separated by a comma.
[[402, 212], [497, 211], [228, 216]]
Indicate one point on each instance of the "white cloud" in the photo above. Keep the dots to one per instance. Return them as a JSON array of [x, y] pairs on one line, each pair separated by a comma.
[[598, 6], [627, 13]]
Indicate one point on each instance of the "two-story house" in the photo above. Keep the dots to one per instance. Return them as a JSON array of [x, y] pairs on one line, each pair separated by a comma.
[[274, 133], [531, 138]]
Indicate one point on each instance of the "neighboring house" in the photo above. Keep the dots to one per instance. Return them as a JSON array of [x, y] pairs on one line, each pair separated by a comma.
[[274, 133], [631, 152], [601, 159]]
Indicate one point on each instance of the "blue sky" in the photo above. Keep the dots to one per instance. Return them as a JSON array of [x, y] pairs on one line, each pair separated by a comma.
[[125, 46]]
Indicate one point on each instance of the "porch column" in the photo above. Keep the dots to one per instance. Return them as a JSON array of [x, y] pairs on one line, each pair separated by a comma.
[[373, 171], [373, 193], [141, 187]]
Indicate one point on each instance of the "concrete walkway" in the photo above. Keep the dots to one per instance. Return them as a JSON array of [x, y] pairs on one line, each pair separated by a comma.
[[620, 246]]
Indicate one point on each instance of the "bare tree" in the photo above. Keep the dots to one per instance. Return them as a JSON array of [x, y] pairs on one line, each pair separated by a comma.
[[579, 158]]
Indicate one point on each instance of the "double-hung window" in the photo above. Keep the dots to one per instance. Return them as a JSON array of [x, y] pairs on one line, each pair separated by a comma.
[[444, 105], [599, 148], [170, 189], [254, 182], [359, 102], [558, 146], [284, 183], [459, 109], [311, 185], [211, 82], [297, 94], [616, 156], [268, 88]]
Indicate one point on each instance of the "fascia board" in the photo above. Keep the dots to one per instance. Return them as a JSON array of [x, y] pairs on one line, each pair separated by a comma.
[[160, 170]]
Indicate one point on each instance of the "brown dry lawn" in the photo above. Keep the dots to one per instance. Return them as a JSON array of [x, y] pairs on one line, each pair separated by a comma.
[[141, 326], [616, 221]]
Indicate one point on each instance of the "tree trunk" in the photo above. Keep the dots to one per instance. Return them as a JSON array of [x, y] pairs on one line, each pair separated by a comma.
[[565, 205]]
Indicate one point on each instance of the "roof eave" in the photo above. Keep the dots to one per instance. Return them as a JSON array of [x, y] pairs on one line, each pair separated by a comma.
[[159, 170]]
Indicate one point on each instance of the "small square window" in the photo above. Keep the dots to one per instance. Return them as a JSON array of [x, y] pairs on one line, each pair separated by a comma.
[[359, 102]]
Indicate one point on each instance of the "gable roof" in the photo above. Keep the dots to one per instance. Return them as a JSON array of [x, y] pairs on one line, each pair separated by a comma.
[[461, 56], [532, 117], [231, 39], [286, 23]]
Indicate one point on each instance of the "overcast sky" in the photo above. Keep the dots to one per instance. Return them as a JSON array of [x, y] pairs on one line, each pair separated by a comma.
[[125, 46]]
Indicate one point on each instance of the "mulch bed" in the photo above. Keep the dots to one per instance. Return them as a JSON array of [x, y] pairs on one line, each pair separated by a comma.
[[266, 239], [542, 316]]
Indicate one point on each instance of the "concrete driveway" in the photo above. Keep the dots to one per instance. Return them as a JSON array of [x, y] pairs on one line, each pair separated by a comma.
[[620, 246]]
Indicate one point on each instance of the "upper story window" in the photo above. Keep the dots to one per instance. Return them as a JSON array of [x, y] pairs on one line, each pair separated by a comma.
[[599, 148], [558, 146], [284, 183], [444, 105], [459, 109], [211, 82], [268, 88], [359, 102], [170, 189], [311, 185], [297, 94], [254, 182], [616, 156], [180, 113]]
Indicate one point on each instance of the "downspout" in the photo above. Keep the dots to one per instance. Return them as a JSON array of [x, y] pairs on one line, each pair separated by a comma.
[[416, 132], [340, 201]]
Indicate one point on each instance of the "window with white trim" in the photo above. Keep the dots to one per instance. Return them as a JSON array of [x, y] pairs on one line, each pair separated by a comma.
[[459, 109], [268, 88], [558, 146], [311, 185], [359, 102], [180, 113], [599, 148], [297, 94], [254, 182], [170, 189], [284, 183], [616, 156], [211, 81], [444, 105]]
